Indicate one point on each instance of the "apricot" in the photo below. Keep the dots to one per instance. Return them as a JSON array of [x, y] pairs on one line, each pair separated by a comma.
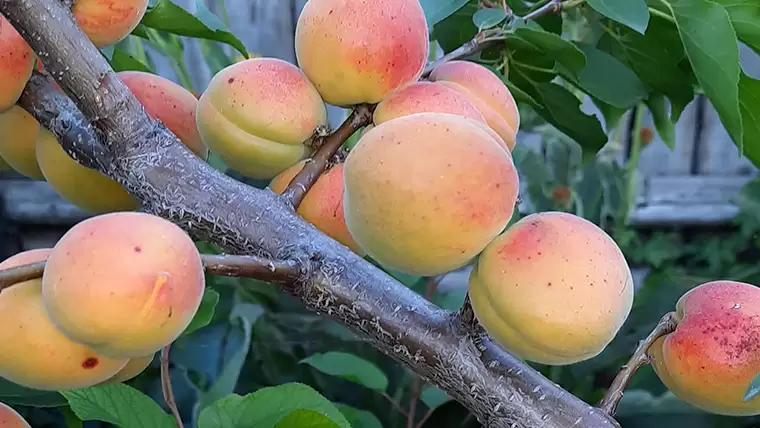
[[107, 22], [16, 64], [33, 352], [10, 418], [425, 97], [84, 187], [323, 204], [256, 115], [554, 289], [360, 51], [126, 284], [713, 355], [425, 193], [486, 91], [134, 367], [169, 103], [18, 138]]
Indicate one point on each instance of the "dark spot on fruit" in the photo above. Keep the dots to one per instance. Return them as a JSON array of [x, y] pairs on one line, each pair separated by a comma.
[[90, 363], [230, 80], [138, 250]]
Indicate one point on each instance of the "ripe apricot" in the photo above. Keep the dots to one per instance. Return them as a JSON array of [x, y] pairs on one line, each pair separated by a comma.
[[134, 367], [486, 91], [33, 352], [713, 355], [10, 418], [107, 22], [84, 187], [360, 51], [18, 138], [323, 204], [425, 97], [554, 289], [127, 283], [256, 115], [425, 193], [169, 103], [16, 64]]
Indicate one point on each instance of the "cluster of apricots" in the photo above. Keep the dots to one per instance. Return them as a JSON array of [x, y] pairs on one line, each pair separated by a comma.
[[430, 187]]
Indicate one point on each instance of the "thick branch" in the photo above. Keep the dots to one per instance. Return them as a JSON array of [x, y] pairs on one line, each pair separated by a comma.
[[500, 390], [360, 117], [639, 358], [224, 265]]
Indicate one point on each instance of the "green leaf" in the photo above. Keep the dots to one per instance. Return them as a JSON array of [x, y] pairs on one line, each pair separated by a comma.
[[665, 126], [457, 28], [118, 404], [631, 13], [349, 367], [306, 419], [268, 407], [205, 312], [745, 16], [550, 45], [359, 418], [609, 80], [438, 10], [749, 103], [123, 61], [433, 397], [13, 393], [713, 51], [488, 18], [167, 16]]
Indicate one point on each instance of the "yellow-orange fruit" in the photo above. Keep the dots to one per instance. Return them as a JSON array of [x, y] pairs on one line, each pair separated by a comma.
[[359, 51], [33, 352], [16, 64], [9, 418], [713, 355], [486, 91], [554, 289], [323, 204], [18, 138], [84, 187], [257, 114], [107, 22], [425, 193], [134, 367], [425, 97], [170, 103], [127, 283]]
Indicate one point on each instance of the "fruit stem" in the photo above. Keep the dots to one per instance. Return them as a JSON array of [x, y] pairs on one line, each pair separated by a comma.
[[166, 386], [640, 357]]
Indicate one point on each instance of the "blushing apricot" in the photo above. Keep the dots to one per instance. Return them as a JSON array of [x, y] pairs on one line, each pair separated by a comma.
[[18, 138], [323, 204], [360, 51], [107, 22], [486, 91], [169, 103], [425, 97], [84, 187], [16, 64], [134, 367], [257, 114], [127, 283], [33, 352], [554, 289], [425, 193], [9, 418], [713, 355]]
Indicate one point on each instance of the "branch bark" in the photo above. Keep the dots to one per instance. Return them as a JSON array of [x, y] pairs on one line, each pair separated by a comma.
[[151, 163]]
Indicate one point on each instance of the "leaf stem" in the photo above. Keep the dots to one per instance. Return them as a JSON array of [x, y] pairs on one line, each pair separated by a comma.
[[661, 14]]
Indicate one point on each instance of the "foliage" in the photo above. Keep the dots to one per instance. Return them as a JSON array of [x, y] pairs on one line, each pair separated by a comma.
[[254, 357]]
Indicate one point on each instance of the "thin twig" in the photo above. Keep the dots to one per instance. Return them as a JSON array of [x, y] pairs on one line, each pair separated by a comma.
[[639, 358], [166, 386], [415, 396], [223, 265], [395, 404], [360, 117], [427, 416]]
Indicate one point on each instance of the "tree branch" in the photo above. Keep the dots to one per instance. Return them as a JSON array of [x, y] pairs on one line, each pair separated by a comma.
[[639, 358], [360, 117], [500, 390]]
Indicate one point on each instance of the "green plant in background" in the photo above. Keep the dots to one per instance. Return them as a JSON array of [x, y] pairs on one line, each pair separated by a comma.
[[254, 356]]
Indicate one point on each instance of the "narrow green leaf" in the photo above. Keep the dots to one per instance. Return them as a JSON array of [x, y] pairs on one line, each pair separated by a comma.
[[550, 45], [631, 13], [13, 393], [488, 18], [438, 10], [745, 16], [118, 404], [713, 51], [122, 61], [749, 103], [268, 407], [349, 367], [665, 127], [205, 312]]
